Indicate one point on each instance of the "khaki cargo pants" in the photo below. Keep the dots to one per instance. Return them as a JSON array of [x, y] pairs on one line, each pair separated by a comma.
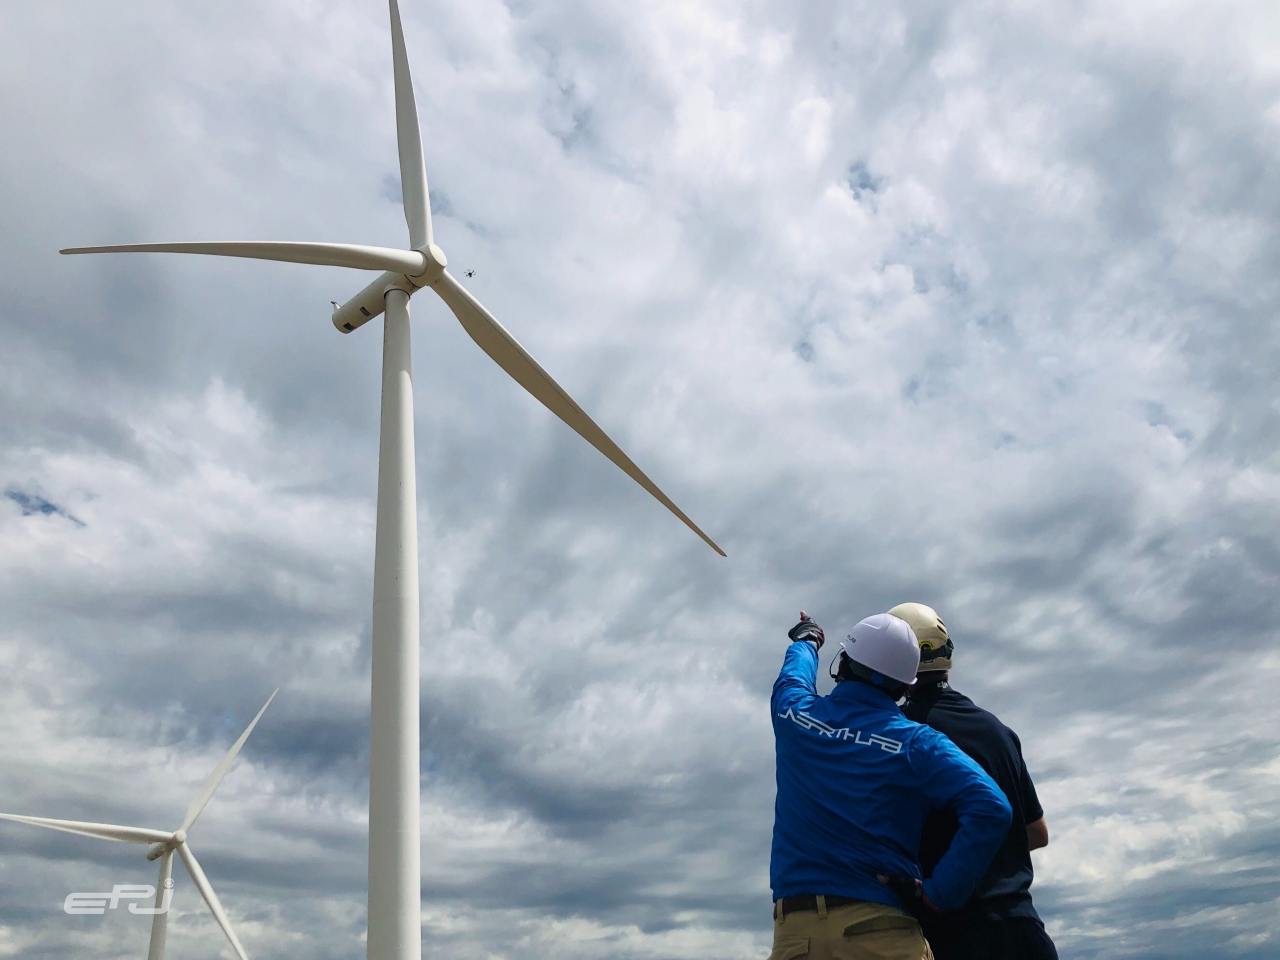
[[854, 931]]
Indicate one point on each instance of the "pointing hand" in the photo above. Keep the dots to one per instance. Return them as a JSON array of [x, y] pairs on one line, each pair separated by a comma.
[[806, 629]]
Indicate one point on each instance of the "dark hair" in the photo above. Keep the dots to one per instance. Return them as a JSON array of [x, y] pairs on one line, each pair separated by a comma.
[[848, 669]]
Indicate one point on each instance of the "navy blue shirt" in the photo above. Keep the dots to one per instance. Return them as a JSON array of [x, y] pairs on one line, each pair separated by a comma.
[[1005, 889], [856, 780]]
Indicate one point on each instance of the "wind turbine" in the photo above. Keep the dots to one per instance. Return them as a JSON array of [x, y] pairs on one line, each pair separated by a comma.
[[394, 931], [164, 844]]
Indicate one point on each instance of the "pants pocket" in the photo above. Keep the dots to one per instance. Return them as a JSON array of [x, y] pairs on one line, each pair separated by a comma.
[[789, 948], [880, 925], [883, 938]]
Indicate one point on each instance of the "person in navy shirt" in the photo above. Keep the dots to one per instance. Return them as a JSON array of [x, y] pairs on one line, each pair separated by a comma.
[[856, 780], [999, 921]]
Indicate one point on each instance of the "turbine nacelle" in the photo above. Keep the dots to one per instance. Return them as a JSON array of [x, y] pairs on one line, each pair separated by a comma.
[[370, 302]]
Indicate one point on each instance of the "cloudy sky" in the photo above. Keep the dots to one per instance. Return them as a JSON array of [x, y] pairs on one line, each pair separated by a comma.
[[967, 303]]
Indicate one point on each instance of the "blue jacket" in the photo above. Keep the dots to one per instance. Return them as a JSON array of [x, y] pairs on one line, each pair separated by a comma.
[[855, 781]]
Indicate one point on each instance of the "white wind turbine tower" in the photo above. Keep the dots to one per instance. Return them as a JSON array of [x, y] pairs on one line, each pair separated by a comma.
[[394, 931], [164, 843]]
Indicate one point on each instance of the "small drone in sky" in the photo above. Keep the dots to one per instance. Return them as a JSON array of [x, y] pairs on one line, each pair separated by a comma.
[[470, 273]]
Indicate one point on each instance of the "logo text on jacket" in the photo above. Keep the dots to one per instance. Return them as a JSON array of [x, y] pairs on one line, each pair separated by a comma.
[[806, 722]]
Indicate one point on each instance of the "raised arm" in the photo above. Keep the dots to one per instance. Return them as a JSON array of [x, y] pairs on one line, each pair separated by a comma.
[[795, 688]]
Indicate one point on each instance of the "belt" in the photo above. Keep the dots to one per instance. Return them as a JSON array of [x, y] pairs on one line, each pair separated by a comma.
[[809, 901]]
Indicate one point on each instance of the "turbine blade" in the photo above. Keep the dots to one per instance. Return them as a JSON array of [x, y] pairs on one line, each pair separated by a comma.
[[500, 345], [160, 921], [211, 898], [408, 262], [103, 831], [413, 172], [220, 771]]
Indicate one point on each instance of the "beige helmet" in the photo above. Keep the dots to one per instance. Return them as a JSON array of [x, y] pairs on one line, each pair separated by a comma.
[[935, 646]]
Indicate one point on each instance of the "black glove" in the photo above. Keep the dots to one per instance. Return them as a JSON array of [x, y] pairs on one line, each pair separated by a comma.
[[911, 892], [806, 629]]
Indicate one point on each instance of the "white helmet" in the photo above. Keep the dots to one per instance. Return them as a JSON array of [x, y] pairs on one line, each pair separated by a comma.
[[884, 644]]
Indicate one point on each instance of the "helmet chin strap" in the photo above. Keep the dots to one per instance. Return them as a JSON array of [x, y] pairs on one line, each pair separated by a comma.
[[832, 672]]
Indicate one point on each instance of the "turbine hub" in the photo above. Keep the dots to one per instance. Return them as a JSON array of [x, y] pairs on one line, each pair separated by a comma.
[[436, 261], [180, 836]]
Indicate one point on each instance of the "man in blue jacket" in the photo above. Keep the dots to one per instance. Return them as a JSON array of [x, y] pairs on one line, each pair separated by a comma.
[[856, 780]]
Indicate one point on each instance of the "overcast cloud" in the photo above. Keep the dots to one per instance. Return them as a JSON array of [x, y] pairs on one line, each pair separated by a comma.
[[966, 303]]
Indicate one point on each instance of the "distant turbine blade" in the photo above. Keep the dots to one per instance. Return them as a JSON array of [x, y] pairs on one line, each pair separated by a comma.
[[408, 262], [413, 172], [103, 831], [494, 340], [211, 898], [160, 921], [221, 769]]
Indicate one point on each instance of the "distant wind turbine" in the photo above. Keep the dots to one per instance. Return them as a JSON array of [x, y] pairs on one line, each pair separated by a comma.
[[395, 930], [163, 846]]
